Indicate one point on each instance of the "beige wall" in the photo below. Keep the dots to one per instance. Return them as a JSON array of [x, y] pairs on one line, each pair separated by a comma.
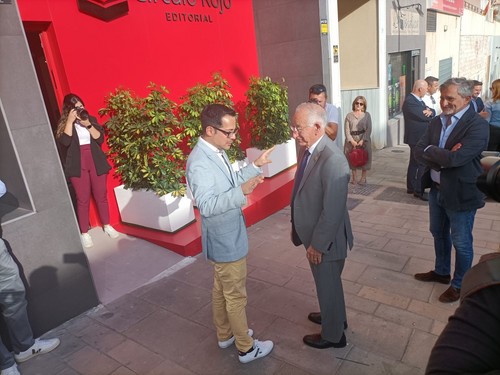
[[358, 44]]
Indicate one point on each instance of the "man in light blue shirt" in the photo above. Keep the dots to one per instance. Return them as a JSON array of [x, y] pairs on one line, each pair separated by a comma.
[[451, 147]]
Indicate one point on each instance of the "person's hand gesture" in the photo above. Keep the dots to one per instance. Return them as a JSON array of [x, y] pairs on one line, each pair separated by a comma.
[[72, 116], [264, 158], [248, 186]]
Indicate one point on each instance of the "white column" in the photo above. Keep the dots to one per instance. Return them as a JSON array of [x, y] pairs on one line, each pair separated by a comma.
[[333, 54], [382, 73]]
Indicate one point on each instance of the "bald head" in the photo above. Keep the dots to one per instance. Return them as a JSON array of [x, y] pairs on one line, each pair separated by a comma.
[[420, 88]]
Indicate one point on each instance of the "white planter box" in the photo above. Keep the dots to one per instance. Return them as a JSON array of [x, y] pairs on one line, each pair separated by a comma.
[[147, 209], [283, 156]]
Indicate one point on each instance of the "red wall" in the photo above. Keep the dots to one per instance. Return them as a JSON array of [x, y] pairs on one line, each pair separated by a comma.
[[142, 46]]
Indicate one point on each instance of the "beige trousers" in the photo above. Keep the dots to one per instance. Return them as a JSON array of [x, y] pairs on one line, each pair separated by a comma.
[[229, 299]]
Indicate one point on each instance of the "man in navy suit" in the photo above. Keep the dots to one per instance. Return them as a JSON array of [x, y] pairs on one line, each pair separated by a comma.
[[220, 193], [451, 147], [476, 101], [417, 117]]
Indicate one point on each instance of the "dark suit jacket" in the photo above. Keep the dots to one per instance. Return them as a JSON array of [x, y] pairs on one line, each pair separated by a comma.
[[479, 103], [459, 169], [320, 216], [72, 162], [415, 121]]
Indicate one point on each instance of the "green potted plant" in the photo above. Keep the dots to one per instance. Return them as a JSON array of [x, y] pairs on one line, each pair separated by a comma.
[[144, 145], [267, 118], [197, 97]]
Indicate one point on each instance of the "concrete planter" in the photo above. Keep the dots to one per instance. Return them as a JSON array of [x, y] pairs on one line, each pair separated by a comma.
[[283, 157], [146, 209]]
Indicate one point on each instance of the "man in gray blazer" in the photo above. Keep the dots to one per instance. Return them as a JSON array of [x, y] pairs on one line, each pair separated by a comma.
[[220, 193], [320, 220]]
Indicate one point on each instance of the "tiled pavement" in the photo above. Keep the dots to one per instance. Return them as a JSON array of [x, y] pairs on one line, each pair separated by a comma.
[[165, 327]]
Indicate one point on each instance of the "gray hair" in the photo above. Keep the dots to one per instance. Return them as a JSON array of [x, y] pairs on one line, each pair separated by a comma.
[[315, 113], [465, 87]]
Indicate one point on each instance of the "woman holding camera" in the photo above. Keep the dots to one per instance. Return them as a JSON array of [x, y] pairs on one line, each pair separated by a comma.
[[85, 163]]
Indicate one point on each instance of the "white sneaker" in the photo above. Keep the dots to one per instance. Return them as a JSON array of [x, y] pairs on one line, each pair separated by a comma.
[[230, 341], [87, 240], [260, 349], [110, 231], [39, 347], [12, 370]]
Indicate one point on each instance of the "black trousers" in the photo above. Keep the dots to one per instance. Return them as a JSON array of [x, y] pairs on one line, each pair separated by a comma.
[[494, 143], [414, 173]]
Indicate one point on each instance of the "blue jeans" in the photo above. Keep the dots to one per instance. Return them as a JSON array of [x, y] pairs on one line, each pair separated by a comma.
[[447, 227]]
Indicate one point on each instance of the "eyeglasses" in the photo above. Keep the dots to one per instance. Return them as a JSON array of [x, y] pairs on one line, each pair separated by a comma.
[[228, 134], [298, 130], [359, 103]]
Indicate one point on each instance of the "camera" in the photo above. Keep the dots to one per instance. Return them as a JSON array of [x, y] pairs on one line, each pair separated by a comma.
[[489, 181], [82, 113]]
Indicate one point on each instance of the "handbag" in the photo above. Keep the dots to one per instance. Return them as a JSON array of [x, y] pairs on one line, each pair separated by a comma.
[[358, 157]]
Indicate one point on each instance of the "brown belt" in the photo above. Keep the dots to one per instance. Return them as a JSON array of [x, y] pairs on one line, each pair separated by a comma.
[[438, 186]]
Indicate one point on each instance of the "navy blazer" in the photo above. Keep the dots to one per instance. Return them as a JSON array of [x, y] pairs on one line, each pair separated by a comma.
[[415, 121], [459, 169], [479, 103]]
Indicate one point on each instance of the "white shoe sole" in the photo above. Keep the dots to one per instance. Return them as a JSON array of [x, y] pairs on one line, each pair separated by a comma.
[[228, 343], [260, 351]]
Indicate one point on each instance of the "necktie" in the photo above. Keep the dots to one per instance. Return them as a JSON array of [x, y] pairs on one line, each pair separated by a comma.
[[433, 101], [448, 120], [228, 165], [300, 171]]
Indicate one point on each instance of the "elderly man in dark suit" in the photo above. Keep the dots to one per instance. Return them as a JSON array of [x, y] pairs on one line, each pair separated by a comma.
[[320, 220], [417, 117], [452, 147]]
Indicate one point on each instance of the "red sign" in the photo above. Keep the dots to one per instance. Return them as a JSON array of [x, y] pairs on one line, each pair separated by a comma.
[[455, 7]]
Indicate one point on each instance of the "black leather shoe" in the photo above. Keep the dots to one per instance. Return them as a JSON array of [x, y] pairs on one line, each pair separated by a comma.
[[409, 191], [422, 196], [316, 341], [432, 276], [315, 317]]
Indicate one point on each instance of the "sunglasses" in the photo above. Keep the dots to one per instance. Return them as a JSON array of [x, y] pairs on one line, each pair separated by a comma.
[[359, 103]]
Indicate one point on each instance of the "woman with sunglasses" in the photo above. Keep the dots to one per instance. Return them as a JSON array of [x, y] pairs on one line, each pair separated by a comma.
[[358, 129], [492, 115], [85, 163]]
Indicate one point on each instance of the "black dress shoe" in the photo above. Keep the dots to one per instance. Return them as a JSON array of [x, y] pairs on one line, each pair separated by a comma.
[[421, 196], [432, 276], [409, 191], [316, 341], [315, 317]]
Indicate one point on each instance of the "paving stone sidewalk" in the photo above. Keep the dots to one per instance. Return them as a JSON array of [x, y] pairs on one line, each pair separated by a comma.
[[165, 327]]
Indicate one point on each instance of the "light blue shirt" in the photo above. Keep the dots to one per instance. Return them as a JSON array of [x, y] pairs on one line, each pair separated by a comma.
[[493, 110], [445, 134], [3, 189]]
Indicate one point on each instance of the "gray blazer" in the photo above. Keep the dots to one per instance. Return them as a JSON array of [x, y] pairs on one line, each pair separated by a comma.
[[219, 199], [320, 216]]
